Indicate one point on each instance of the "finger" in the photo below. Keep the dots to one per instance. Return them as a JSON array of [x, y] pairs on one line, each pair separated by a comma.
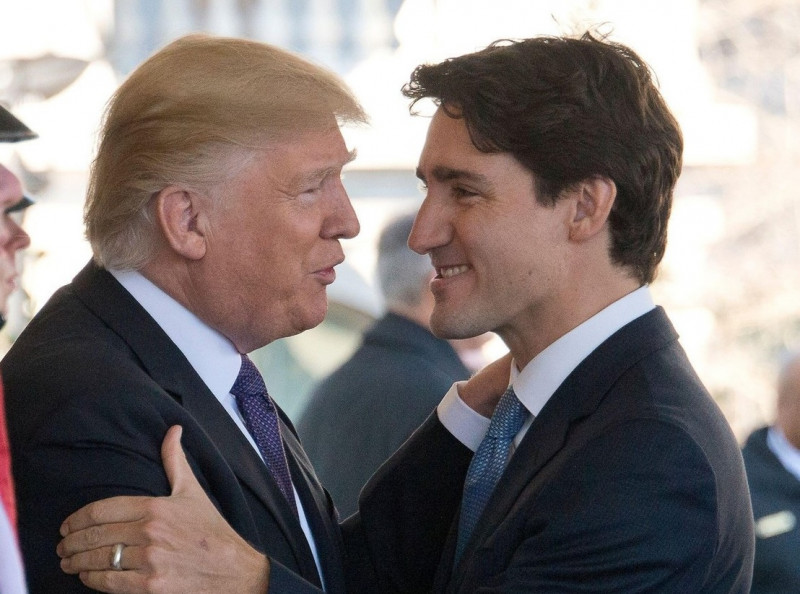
[[100, 559], [96, 537], [173, 457], [482, 391], [116, 582], [501, 365], [494, 376], [125, 508], [179, 473]]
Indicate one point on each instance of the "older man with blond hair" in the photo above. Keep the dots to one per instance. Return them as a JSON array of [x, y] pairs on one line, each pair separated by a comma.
[[215, 212]]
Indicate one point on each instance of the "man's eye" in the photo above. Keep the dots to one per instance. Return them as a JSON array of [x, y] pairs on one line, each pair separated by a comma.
[[312, 189], [423, 187], [460, 192]]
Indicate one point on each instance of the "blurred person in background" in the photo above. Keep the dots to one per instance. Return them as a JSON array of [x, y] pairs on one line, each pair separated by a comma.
[[772, 460], [360, 414], [472, 351], [12, 239]]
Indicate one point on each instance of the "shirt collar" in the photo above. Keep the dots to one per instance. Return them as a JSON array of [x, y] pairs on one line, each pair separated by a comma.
[[213, 357], [784, 451], [541, 377]]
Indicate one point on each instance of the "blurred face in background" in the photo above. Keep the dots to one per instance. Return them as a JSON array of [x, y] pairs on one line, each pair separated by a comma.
[[12, 237], [788, 418]]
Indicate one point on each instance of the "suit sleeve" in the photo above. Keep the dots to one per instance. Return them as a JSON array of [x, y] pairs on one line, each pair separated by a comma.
[[282, 579], [405, 513], [91, 441]]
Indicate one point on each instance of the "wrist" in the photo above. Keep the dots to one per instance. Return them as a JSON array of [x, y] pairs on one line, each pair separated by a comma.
[[258, 570]]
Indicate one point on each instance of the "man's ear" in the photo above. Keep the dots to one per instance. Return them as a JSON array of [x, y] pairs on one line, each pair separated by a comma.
[[181, 217], [594, 198]]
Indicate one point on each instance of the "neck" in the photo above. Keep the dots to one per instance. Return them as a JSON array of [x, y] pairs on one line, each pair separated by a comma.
[[563, 314]]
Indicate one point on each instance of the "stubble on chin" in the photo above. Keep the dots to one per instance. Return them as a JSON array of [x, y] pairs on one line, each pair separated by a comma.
[[452, 324]]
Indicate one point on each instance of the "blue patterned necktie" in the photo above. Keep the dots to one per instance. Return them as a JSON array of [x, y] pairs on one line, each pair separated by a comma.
[[488, 464], [261, 420]]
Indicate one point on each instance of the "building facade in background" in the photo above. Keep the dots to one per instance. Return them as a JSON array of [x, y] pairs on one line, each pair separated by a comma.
[[730, 70]]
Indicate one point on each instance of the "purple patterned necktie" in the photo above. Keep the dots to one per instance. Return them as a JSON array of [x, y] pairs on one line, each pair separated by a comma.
[[262, 422]]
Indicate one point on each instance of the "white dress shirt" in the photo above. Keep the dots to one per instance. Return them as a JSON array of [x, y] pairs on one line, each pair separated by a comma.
[[212, 355], [541, 377], [12, 575], [784, 451]]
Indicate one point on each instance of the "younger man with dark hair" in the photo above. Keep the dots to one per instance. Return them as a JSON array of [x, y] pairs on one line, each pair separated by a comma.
[[550, 167]]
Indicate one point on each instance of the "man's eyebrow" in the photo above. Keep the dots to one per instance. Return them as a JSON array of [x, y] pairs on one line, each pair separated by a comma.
[[323, 172], [443, 174], [21, 204]]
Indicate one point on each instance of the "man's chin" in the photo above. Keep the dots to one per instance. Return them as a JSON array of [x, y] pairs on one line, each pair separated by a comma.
[[309, 320], [451, 327]]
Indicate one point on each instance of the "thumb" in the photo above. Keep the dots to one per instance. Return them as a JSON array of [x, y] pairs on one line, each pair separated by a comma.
[[181, 478], [483, 390]]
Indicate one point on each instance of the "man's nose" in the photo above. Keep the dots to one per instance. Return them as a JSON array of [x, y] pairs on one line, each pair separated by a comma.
[[342, 222], [430, 228]]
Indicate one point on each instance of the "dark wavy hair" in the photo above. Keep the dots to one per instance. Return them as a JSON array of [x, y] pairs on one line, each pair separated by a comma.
[[569, 109]]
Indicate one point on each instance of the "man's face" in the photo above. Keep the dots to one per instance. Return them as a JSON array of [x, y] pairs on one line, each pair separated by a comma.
[[274, 241], [788, 418], [499, 255], [12, 237]]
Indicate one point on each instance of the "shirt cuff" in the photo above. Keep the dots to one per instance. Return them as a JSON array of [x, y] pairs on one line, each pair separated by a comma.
[[460, 420]]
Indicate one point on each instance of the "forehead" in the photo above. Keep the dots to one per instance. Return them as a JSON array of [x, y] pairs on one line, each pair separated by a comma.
[[449, 154], [308, 155], [447, 136]]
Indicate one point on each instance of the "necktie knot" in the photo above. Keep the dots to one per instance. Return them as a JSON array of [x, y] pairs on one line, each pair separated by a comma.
[[249, 381], [508, 417]]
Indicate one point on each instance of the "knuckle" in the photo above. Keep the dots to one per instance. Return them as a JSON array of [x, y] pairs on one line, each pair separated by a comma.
[[93, 535], [149, 504], [92, 513], [159, 506], [154, 508], [149, 556], [150, 531], [95, 580]]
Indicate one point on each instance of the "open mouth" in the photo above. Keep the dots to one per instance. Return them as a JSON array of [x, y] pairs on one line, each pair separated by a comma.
[[451, 271]]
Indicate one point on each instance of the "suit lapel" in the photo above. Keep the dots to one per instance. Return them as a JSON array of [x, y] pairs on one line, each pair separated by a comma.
[[249, 468], [316, 505], [168, 367], [575, 399]]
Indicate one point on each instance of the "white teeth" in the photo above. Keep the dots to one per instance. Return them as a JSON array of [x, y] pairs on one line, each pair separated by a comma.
[[453, 271]]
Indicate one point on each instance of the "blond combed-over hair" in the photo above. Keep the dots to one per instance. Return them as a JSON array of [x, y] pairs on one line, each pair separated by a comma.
[[181, 117]]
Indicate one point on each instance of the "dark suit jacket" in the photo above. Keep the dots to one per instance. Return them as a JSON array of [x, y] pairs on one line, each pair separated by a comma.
[[629, 480], [92, 385], [776, 508], [359, 415]]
